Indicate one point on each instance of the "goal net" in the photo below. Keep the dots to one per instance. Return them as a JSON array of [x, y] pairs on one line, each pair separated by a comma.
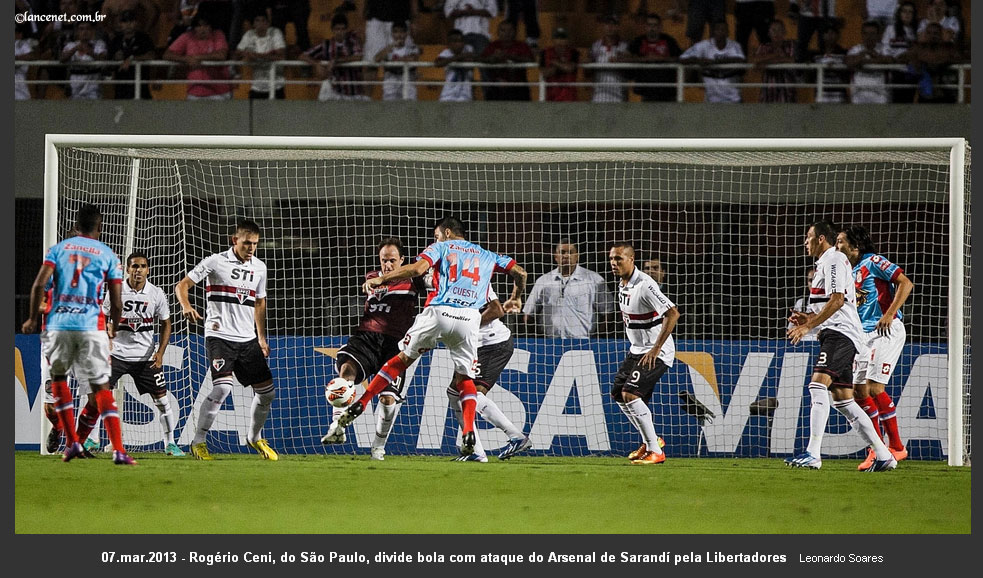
[[727, 220]]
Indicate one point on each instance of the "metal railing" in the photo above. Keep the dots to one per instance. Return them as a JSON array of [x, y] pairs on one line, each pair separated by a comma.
[[821, 72]]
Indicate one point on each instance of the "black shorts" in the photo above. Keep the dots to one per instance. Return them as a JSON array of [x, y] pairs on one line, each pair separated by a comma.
[[243, 359], [836, 354], [148, 379], [369, 351], [635, 379], [492, 360]]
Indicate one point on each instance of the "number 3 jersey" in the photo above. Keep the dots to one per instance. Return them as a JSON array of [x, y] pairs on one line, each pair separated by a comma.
[[134, 339], [232, 288], [642, 308], [463, 272], [390, 308]]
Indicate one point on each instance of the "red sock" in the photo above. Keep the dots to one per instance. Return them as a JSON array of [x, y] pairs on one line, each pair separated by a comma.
[[889, 420], [110, 418], [66, 411], [870, 408], [389, 372], [52, 415], [469, 400], [87, 420]]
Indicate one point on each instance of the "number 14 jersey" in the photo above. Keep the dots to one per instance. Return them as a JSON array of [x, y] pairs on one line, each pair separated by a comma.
[[462, 272]]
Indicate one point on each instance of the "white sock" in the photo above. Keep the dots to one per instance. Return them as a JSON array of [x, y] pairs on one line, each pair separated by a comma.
[[262, 402], [487, 409], [643, 418], [221, 388], [385, 416], [166, 418], [454, 401], [818, 417], [628, 413], [860, 421]]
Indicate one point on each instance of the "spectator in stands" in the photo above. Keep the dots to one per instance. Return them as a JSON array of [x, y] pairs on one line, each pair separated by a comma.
[[186, 14], [25, 48], [343, 47], [609, 85], [55, 36], [530, 16], [930, 60], [84, 80], [380, 15], [472, 18], [506, 50], [457, 81], [720, 84], [128, 45], [938, 13], [145, 12], [881, 11], [263, 44], [221, 14], [700, 13], [295, 12], [559, 65], [753, 15], [812, 18], [868, 86], [655, 46], [777, 51], [199, 44], [898, 39], [834, 55], [401, 49]]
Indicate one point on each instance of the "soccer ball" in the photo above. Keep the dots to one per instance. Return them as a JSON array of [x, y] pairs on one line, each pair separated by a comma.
[[339, 392]]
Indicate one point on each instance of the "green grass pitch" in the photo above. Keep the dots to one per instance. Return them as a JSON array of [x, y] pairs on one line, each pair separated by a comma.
[[242, 494]]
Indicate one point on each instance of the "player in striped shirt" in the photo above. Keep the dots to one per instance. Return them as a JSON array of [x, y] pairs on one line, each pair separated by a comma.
[[462, 276], [882, 289], [76, 333], [235, 334], [833, 309], [133, 351], [649, 318]]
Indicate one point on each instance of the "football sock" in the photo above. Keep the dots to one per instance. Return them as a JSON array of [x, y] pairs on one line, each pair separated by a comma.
[[643, 417], [66, 410], [629, 414], [262, 401], [818, 417], [221, 388], [385, 416], [388, 374], [110, 418], [52, 415], [88, 418], [487, 409], [454, 401], [870, 408], [862, 424], [889, 420], [468, 402], [166, 418]]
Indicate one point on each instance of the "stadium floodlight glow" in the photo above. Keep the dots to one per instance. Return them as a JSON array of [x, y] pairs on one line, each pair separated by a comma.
[[726, 215]]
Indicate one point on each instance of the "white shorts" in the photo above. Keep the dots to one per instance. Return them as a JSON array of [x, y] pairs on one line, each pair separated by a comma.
[[456, 327], [84, 352], [878, 363]]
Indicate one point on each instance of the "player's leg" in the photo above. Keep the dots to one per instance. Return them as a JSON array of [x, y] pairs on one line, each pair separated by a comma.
[[636, 392], [832, 348], [883, 362], [95, 368], [459, 331], [385, 416], [844, 403], [624, 372], [861, 394], [89, 438], [492, 360], [53, 440], [220, 356], [251, 367], [58, 347], [150, 380], [454, 402]]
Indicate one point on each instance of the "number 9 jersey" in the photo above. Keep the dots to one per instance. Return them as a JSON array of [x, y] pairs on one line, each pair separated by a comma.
[[462, 272]]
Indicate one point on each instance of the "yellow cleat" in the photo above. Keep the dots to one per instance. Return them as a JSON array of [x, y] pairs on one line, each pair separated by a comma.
[[200, 452], [265, 450]]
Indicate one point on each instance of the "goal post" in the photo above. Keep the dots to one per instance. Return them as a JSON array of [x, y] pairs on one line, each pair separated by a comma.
[[726, 215]]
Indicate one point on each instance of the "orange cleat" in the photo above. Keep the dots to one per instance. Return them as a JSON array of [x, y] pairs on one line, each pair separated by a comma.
[[638, 453], [650, 458], [868, 461], [899, 454]]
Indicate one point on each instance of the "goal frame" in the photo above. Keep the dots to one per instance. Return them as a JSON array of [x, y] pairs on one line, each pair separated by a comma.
[[956, 147]]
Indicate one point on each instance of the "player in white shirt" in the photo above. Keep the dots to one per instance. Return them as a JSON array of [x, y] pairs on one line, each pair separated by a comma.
[[133, 351], [235, 333], [649, 318], [833, 309]]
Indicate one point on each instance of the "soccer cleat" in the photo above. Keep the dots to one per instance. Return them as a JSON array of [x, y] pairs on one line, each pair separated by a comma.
[[263, 447], [54, 440], [868, 461], [899, 454], [90, 445], [650, 458], [472, 458], [71, 452], [378, 454], [335, 435], [86, 454], [349, 415], [123, 459], [641, 451], [200, 452], [804, 460], [515, 446], [883, 465], [173, 450], [467, 444]]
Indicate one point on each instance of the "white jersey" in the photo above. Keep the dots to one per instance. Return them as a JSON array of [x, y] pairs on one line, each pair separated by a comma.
[[232, 290], [642, 307], [834, 274], [134, 339], [494, 331]]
